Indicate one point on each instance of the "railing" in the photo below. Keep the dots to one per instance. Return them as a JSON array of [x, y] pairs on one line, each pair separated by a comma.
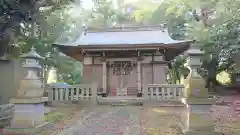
[[164, 92], [73, 93]]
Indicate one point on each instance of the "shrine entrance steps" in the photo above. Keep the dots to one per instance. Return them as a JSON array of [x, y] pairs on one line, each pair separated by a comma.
[[130, 91], [120, 100], [133, 100]]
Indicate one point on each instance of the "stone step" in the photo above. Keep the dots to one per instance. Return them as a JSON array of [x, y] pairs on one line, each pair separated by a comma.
[[123, 100], [118, 104]]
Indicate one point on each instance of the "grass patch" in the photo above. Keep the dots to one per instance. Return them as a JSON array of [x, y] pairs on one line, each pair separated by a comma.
[[53, 117], [152, 131]]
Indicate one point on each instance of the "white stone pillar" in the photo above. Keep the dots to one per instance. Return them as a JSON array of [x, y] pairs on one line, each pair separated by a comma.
[[104, 79], [139, 85]]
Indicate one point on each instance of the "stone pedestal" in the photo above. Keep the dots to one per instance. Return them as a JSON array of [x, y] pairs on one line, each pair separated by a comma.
[[199, 121], [29, 113], [28, 117]]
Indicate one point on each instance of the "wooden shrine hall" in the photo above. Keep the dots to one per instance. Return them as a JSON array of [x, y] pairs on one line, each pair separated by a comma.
[[121, 60]]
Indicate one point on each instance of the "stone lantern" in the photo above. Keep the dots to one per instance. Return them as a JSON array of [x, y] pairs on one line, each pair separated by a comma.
[[29, 102], [32, 83]]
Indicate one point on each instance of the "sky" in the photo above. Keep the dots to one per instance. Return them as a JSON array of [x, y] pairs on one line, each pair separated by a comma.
[[87, 4]]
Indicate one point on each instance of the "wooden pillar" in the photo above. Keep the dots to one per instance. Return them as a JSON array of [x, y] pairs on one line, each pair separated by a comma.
[[104, 75], [104, 79], [139, 86], [139, 83]]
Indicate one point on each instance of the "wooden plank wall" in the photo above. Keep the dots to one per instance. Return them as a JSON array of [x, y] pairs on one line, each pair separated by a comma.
[[87, 74], [146, 74], [97, 75], [92, 73], [150, 74], [159, 75]]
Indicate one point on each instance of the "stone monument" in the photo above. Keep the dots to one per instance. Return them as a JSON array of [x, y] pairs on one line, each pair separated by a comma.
[[199, 121], [29, 106], [236, 74], [194, 83]]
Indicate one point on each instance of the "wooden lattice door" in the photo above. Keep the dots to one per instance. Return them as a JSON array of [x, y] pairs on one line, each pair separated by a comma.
[[122, 76]]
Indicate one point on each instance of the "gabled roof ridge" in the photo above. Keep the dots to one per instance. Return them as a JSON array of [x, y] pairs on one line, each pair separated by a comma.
[[129, 28]]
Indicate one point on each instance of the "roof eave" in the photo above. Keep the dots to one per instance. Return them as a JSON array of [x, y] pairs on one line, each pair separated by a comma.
[[144, 45]]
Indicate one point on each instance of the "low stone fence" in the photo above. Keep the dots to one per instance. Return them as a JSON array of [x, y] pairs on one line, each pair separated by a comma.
[[80, 92], [88, 92], [163, 92]]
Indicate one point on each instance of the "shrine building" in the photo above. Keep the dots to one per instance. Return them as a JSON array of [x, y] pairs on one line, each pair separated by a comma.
[[124, 58]]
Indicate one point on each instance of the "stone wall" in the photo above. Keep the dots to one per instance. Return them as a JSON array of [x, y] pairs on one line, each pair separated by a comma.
[[9, 79], [6, 114]]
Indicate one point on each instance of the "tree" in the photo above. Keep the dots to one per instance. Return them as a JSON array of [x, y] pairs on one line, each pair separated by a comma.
[[17, 13], [57, 25], [214, 26]]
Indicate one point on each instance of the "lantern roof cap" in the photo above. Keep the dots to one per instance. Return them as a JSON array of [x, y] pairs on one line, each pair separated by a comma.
[[194, 50], [32, 54]]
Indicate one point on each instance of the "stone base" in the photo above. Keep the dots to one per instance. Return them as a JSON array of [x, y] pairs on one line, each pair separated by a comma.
[[29, 131], [29, 113], [202, 133], [198, 101], [120, 100], [27, 100], [200, 121]]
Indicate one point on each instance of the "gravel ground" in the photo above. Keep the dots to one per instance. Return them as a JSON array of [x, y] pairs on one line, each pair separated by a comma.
[[124, 120], [136, 120], [107, 120]]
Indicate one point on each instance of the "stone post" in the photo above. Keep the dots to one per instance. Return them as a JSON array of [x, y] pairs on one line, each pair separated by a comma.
[[196, 98], [145, 92], [94, 93]]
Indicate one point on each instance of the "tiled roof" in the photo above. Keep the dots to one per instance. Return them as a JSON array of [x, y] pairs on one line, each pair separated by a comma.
[[124, 36]]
